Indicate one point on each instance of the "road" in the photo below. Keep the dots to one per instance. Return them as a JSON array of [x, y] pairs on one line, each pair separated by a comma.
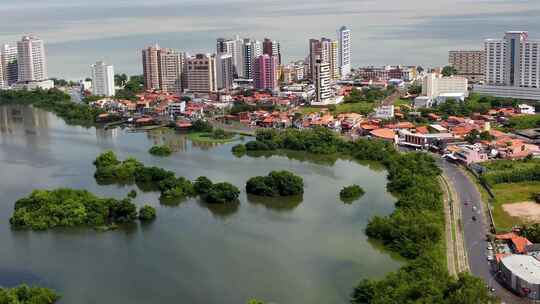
[[475, 231]]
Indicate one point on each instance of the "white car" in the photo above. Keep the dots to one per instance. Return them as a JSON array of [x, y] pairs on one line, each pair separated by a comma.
[[489, 247]]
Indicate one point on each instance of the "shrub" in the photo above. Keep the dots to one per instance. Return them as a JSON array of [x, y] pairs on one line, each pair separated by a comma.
[[222, 193], [202, 126], [147, 213], [160, 151], [351, 193], [239, 149], [132, 194], [202, 185], [277, 183], [28, 295]]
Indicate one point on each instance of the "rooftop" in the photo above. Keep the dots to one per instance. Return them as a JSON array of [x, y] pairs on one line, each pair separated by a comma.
[[525, 267]]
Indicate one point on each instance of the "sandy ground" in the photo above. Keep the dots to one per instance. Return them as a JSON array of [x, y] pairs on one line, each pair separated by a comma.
[[529, 211]]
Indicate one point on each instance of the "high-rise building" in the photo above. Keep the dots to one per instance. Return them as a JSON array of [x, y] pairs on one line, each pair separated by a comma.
[[344, 39], [235, 47], [469, 64], [326, 50], [272, 48], [252, 50], [323, 82], [513, 60], [201, 73], [315, 53], [224, 71], [334, 60], [171, 65], [102, 79], [151, 67], [8, 57], [266, 72], [2, 86], [31, 61]]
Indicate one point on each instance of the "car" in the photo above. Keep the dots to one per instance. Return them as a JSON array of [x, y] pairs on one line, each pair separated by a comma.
[[466, 203], [474, 218], [490, 258], [489, 247], [474, 208]]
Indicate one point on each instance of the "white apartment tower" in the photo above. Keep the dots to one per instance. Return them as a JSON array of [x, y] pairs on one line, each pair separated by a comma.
[[102, 79], [513, 61], [201, 73], [31, 62], [224, 71], [323, 82], [235, 47], [8, 59], [344, 39], [252, 50]]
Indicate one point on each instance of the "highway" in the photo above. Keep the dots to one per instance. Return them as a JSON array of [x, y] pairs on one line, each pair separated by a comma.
[[475, 232]]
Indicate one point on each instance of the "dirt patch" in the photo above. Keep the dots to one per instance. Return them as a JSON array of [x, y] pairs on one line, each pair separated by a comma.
[[527, 211]]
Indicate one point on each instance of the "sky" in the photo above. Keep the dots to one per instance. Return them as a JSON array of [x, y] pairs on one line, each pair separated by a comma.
[[412, 32]]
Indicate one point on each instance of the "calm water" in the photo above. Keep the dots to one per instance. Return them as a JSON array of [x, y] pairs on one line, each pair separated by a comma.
[[312, 251]]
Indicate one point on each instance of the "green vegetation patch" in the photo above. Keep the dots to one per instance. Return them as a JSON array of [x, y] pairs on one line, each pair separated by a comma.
[[277, 183], [24, 294], [351, 193], [160, 151], [63, 207], [511, 193], [147, 213]]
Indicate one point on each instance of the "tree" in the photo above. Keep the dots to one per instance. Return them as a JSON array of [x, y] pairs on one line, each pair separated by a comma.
[[351, 193], [120, 79], [202, 185], [277, 183], [28, 295], [160, 151], [448, 71], [531, 232], [222, 193], [147, 213], [202, 126], [473, 136], [132, 194], [415, 89]]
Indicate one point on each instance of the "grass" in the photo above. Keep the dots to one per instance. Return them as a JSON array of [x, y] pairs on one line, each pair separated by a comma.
[[361, 108], [508, 194], [207, 137]]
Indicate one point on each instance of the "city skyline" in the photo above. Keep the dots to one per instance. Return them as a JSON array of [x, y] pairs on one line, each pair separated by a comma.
[[116, 33]]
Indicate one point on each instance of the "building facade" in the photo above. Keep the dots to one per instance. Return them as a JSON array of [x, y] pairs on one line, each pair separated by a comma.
[[224, 71], [323, 82], [171, 71], [434, 85], [344, 39], [252, 50], [151, 67], [201, 73], [31, 61], [102, 79], [265, 72], [10, 69], [272, 48], [469, 64]]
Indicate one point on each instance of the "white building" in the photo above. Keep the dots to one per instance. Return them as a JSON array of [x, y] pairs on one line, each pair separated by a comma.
[[434, 85], [176, 108], [234, 47], [384, 112], [526, 109], [512, 63], [102, 79], [252, 50], [225, 71], [32, 64], [344, 39], [8, 59]]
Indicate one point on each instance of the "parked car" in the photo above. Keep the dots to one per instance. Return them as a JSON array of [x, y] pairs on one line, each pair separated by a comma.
[[489, 246], [474, 218]]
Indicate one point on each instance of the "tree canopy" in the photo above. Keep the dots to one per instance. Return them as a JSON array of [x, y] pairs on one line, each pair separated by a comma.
[[24, 294], [277, 183]]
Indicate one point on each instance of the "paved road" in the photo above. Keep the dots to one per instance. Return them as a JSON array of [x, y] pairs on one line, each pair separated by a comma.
[[475, 231]]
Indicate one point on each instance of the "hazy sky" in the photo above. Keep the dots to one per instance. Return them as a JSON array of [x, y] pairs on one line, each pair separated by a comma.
[[79, 32]]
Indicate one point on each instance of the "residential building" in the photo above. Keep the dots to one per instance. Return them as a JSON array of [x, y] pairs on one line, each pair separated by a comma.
[[234, 47], [8, 58], [224, 71], [31, 61], [334, 60], [344, 39], [2, 86], [315, 53], [201, 73], [385, 112], [435, 85], [323, 88], [272, 48], [252, 50], [171, 70], [265, 72], [102, 79], [470, 64], [151, 67]]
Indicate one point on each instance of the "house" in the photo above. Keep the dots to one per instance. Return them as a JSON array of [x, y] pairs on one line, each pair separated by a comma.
[[468, 154], [385, 112], [384, 134]]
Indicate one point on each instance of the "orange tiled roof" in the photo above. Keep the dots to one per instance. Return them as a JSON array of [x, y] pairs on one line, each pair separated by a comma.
[[422, 130], [383, 133]]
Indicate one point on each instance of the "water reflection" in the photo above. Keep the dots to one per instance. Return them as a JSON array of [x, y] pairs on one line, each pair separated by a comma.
[[221, 211], [279, 204], [168, 137], [26, 122], [301, 156]]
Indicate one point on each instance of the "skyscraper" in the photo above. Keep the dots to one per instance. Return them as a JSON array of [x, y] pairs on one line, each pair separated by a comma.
[[102, 79], [470, 64], [252, 50], [201, 73], [323, 89], [31, 61], [272, 48], [8, 57], [171, 65], [151, 67], [2, 86], [235, 47], [344, 39], [325, 50], [315, 53], [334, 60], [265, 72], [224, 71]]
